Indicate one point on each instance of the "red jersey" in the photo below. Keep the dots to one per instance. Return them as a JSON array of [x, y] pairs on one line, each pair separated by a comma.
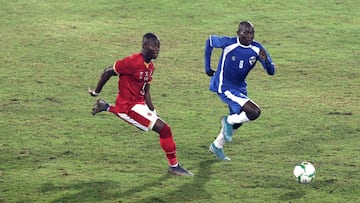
[[134, 73]]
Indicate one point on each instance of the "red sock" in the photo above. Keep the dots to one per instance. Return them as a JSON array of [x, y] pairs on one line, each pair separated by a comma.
[[168, 145], [112, 109]]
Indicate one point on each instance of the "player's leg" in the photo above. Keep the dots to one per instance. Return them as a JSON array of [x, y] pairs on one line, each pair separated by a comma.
[[242, 110], [249, 111], [99, 106], [139, 116], [166, 141], [168, 145], [102, 105], [143, 118], [237, 126], [217, 148], [235, 100], [226, 131], [217, 145], [239, 105]]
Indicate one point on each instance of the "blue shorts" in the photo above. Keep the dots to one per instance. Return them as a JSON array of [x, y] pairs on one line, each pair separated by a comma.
[[234, 99]]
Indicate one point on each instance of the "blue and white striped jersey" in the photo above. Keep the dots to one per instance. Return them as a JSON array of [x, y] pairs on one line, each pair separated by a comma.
[[236, 61]]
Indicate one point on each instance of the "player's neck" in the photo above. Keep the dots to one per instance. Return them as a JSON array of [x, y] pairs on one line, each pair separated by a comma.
[[242, 45], [147, 59]]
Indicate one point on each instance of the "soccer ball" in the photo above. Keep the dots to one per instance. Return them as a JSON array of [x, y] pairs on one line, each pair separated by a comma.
[[304, 172]]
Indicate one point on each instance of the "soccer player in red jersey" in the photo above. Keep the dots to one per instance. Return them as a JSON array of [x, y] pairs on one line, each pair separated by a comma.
[[133, 102]]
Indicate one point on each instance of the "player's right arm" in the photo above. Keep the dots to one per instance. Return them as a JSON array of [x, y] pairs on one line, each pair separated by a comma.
[[213, 42], [105, 76], [207, 57]]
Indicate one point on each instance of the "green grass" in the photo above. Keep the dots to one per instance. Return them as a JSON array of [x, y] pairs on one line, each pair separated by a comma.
[[53, 150]]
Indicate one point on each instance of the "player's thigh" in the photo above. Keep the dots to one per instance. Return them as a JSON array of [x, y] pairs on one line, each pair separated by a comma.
[[235, 99], [140, 116]]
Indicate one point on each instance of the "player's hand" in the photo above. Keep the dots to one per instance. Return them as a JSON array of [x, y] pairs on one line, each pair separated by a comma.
[[262, 54], [210, 73], [92, 92]]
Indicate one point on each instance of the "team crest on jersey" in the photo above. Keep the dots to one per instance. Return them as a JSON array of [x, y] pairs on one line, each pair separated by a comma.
[[233, 58], [252, 60]]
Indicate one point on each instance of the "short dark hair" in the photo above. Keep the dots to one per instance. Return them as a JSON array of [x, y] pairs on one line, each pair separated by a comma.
[[150, 35], [244, 24]]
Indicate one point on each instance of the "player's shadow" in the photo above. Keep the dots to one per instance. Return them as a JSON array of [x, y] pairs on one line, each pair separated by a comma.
[[99, 191], [106, 190], [299, 192], [193, 191]]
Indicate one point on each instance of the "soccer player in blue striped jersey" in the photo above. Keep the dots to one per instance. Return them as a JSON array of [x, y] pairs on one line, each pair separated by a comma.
[[239, 56]]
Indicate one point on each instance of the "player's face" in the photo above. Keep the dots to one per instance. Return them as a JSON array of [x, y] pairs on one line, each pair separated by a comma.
[[246, 35], [152, 48]]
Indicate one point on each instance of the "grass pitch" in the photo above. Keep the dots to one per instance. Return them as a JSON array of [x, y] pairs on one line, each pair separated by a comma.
[[53, 150]]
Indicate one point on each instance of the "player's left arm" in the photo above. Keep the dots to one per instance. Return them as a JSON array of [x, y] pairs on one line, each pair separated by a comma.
[[266, 61], [147, 97]]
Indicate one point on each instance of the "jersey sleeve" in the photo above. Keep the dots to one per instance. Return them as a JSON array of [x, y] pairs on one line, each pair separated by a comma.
[[212, 42], [124, 66], [268, 65], [207, 55], [218, 41]]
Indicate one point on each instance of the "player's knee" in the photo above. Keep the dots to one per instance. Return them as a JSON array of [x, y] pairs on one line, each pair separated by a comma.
[[236, 126], [254, 114], [165, 131]]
